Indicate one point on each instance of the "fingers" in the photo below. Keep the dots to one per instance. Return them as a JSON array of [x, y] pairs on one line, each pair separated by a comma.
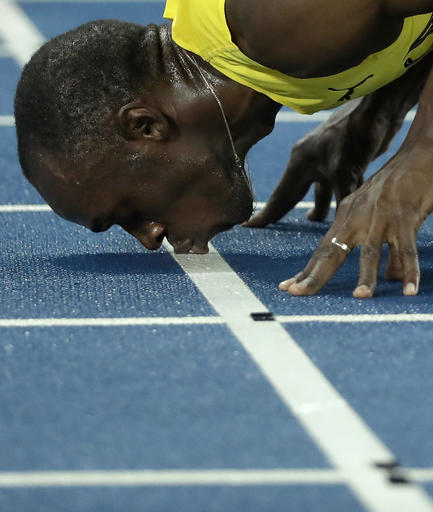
[[411, 272], [403, 263], [369, 263], [258, 220], [394, 268], [293, 186], [285, 285], [322, 200], [327, 259], [277, 206]]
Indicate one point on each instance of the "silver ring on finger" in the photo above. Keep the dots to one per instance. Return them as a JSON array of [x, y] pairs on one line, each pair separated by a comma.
[[341, 245]]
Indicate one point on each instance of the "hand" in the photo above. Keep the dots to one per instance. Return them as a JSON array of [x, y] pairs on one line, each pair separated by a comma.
[[319, 158], [335, 155], [389, 208]]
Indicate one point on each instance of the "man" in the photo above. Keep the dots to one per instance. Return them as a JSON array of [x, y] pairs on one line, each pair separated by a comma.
[[129, 125]]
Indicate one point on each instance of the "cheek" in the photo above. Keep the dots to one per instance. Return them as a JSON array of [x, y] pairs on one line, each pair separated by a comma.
[[229, 196], [202, 186]]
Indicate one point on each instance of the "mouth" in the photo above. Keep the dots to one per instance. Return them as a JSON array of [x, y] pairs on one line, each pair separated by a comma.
[[189, 246]]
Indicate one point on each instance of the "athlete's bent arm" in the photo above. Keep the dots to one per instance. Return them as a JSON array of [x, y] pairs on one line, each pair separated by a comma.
[[336, 154], [389, 208]]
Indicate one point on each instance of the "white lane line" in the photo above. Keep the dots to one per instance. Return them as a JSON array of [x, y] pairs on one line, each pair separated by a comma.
[[5, 51], [350, 445], [22, 208], [284, 319], [7, 121], [282, 117], [234, 477], [108, 322], [259, 205], [421, 475], [373, 318], [164, 477], [286, 116], [18, 32]]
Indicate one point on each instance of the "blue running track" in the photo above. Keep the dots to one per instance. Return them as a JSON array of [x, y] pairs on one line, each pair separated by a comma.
[[126, 383]]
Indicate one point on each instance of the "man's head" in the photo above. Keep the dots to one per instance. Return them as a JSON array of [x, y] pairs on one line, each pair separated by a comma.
[[113, 128]]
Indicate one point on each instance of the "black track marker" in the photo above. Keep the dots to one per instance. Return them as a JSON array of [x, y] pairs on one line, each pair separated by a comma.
[[388, 465], [396, 474], [265, 316]]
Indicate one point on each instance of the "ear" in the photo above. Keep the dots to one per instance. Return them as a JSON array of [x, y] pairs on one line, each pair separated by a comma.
[[140, 122]]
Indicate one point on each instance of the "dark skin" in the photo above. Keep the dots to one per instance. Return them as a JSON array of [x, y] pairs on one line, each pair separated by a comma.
[[203, 192], [336, 154]]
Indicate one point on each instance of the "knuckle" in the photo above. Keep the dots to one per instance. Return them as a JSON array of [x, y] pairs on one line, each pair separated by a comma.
[[408, 252], [300, 276], [326, 252], [370, 252], [384, 202], [312, 282]]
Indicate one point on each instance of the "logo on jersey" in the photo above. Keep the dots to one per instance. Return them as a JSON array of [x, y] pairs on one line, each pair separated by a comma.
[[428, 31], [350, 90], [423, 36], [408, 61]]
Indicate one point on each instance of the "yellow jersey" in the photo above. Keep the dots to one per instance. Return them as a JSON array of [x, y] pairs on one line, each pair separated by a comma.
[[200, 26]]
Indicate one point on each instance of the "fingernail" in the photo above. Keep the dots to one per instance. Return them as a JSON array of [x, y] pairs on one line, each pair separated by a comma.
[[362, 292], [285, 284], [409, 289]]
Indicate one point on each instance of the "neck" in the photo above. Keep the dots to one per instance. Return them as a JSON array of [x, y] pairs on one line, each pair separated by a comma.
[[250, 114]]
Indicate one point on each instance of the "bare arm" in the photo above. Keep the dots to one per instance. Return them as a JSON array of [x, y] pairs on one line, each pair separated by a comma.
[[336, 154]]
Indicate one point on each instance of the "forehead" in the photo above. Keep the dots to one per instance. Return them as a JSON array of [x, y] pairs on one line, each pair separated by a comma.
[[74, 198]]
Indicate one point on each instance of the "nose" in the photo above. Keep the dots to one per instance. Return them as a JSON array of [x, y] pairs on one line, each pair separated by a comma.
[[151, 234]]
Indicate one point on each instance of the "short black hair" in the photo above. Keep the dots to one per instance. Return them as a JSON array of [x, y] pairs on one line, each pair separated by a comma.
[[72, 86]]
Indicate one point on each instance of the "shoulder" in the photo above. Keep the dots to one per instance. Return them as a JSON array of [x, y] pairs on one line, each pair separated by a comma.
[[310, 37], [254, 23], [263, 30]]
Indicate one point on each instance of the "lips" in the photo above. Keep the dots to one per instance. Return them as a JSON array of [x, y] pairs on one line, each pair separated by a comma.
[[190, 247]]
